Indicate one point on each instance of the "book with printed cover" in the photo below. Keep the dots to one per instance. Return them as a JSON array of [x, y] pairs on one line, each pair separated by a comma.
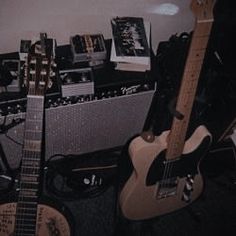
[[130, 43]]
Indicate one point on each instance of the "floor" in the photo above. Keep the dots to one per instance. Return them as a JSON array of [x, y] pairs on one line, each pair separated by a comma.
[[214, 213]]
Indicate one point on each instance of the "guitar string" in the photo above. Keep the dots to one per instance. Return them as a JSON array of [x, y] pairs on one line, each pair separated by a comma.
[[35, 156], [24, 211], [167, 171], [163, 185], [28, 171]]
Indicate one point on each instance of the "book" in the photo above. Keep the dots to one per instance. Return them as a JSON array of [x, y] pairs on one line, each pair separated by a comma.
[[130, 49]]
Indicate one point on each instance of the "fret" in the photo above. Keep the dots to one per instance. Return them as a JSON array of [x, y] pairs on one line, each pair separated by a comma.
[[31, 168], [25, 231], [34, 115], [32, 145], [196, 55], [28, 190], [26, 211], [29, 186], [199, 43], [27, 198], [33, 179], [26, 208], [35, 101], [22, 232], [203, 28], [29, 228], [33, 135], [193, 66], [32, 163], [33, 126], [34, 111], [27, 224], [27, 193], [23, 203], [29, 178], [29, 157]]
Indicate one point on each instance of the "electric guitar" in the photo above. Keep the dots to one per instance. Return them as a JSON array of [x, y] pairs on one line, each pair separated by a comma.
[[166, 174], [27, 217]]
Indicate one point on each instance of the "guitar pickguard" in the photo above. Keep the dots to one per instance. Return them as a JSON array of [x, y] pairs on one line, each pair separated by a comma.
[[181, 167]]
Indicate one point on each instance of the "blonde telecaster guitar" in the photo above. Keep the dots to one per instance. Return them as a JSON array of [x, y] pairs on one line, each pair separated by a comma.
[[166, 174], [28, 217]]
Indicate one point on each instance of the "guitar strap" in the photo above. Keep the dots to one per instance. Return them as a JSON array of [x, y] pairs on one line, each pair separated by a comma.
[[4, 161]]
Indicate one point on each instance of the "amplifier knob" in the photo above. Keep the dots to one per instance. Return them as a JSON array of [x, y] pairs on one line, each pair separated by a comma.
[[64, 103], [19, 108], [10, 110]]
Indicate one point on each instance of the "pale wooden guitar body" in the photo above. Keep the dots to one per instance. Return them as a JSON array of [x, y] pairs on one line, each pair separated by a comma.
[[50, 222], [139, 201]]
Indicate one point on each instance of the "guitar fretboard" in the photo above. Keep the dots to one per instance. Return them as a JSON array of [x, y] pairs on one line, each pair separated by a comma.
[[176, 139], [26, 212]]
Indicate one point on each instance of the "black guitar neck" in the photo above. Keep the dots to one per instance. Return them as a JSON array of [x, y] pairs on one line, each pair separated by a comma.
[[26, 212]]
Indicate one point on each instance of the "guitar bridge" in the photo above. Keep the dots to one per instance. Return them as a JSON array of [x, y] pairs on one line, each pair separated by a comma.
[[167, 188]]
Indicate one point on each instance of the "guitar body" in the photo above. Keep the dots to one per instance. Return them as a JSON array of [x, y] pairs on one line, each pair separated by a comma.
[[145, 194], [50, 222]]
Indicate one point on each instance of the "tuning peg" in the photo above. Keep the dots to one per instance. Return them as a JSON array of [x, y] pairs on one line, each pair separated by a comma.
[[45, 61], [50, 83], [52, 73], [53, 64], [32, 72], [32, 61]]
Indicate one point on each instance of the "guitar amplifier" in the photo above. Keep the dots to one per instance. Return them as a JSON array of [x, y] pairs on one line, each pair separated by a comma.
[[77, 127]]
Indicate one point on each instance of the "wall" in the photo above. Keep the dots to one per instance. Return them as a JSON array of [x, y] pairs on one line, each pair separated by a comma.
[[24, 19]]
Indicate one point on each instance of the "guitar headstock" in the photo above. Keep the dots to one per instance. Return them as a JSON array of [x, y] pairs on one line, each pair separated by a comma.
[[203, 9], [39, 67]]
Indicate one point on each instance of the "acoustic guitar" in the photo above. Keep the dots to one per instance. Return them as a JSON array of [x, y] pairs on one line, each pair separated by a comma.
[[166, 174], [27, 217]]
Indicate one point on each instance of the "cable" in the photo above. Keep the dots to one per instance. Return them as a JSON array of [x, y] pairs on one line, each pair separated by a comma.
[[68, 183]]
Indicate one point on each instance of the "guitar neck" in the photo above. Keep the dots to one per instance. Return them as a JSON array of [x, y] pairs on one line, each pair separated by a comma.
[[188, 88], [26, 213], [32, 138]]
